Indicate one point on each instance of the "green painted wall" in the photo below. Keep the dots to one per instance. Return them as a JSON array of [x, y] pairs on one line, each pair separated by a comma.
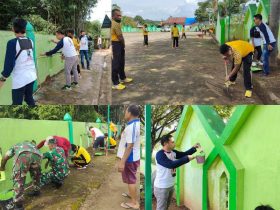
[[14, 131], [191, 190], [257, 147], [47, 66], [246, 151]]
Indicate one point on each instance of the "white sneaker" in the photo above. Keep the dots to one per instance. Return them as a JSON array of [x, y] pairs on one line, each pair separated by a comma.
[[260, 63], [254, 64]]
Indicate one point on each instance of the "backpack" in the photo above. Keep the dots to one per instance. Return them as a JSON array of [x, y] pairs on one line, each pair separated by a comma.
[[25, 44]]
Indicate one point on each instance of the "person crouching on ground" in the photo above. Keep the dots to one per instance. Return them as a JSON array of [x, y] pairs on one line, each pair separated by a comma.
[[167, 160], [62, 142], [59, 166], [71, 58], [97, 138], [239, 52], [81, 157], [19, 62], [27, 158]]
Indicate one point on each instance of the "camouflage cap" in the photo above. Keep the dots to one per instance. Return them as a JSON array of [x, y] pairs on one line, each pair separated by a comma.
[[52, 141]]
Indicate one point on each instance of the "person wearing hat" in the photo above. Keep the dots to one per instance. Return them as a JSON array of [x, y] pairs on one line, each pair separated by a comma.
[[60, 141], [59, 166], [27, 158], [81, 156]]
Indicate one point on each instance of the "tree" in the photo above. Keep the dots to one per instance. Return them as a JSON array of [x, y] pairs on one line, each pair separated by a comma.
[[164, 121], [274, 22], [128, 21], [62, 13], [139, 19], [224, 111]]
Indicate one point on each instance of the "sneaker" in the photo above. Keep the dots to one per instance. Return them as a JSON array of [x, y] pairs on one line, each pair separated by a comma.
[[75, 84], [88, 68], [127, 80], [248, 94], [260, 63], [66, 87], [118, 87]]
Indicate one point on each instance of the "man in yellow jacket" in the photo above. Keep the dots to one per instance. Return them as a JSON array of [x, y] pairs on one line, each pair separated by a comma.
[[239, 52], [146, 33], [81, 156], [175, 36]]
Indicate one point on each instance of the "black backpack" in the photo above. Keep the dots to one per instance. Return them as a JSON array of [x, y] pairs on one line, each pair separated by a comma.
[[25, 44]]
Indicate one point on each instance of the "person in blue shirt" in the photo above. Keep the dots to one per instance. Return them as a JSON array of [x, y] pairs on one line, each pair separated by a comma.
[[268, 40], [20, 65]]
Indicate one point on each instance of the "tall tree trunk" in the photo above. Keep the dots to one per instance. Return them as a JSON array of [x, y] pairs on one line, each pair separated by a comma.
[[274, 25]]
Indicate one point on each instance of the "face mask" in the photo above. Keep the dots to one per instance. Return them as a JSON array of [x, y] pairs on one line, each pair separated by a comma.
[[118, 21]]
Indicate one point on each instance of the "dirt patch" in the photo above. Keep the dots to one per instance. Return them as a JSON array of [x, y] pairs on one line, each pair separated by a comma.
[[173, 205], [77, 186], [163, 75]]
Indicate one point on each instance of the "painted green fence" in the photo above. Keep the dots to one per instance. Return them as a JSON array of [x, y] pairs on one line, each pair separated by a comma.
[[46, 66], [14, 131]]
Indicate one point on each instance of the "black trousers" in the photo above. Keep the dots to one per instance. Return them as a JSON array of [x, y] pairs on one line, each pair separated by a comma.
[[184, 36], [118, 62], [25, 93], [247, 63], [99, 142], [146, 40], [259, 52], [79, 161], [175, 41]]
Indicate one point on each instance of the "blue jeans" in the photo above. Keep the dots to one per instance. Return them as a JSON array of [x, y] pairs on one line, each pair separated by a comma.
[[266, 55], [84, 53], [25, 93]]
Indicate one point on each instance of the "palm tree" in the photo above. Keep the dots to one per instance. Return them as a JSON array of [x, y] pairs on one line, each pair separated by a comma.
[[274, 25]]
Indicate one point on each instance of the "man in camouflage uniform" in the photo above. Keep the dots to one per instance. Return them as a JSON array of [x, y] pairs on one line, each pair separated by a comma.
[[58, 161], [27, 158]]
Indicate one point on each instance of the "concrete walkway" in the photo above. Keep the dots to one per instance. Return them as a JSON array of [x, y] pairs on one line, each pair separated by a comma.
[[88, 93], [108, 195]]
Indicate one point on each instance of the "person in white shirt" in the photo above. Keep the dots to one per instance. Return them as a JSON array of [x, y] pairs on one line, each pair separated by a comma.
[[167, 160], [268, 40], [255, 35], [71, 58], [99, 42], [84, 42], [97, 137], [19, 62], [130, 158]]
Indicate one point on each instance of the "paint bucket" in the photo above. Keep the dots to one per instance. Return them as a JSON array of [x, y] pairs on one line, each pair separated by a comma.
[[200, 158]]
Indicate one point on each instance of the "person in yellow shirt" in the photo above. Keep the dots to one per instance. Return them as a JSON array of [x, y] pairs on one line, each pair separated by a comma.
[[175, 36], [113, 142], [184, 32], [146, 33], [118, 48], [81, 156], [70, 33], [239, 52]]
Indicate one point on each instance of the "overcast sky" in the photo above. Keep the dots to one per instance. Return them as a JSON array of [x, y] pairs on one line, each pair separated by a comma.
[[103, 7], [158, 9]]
